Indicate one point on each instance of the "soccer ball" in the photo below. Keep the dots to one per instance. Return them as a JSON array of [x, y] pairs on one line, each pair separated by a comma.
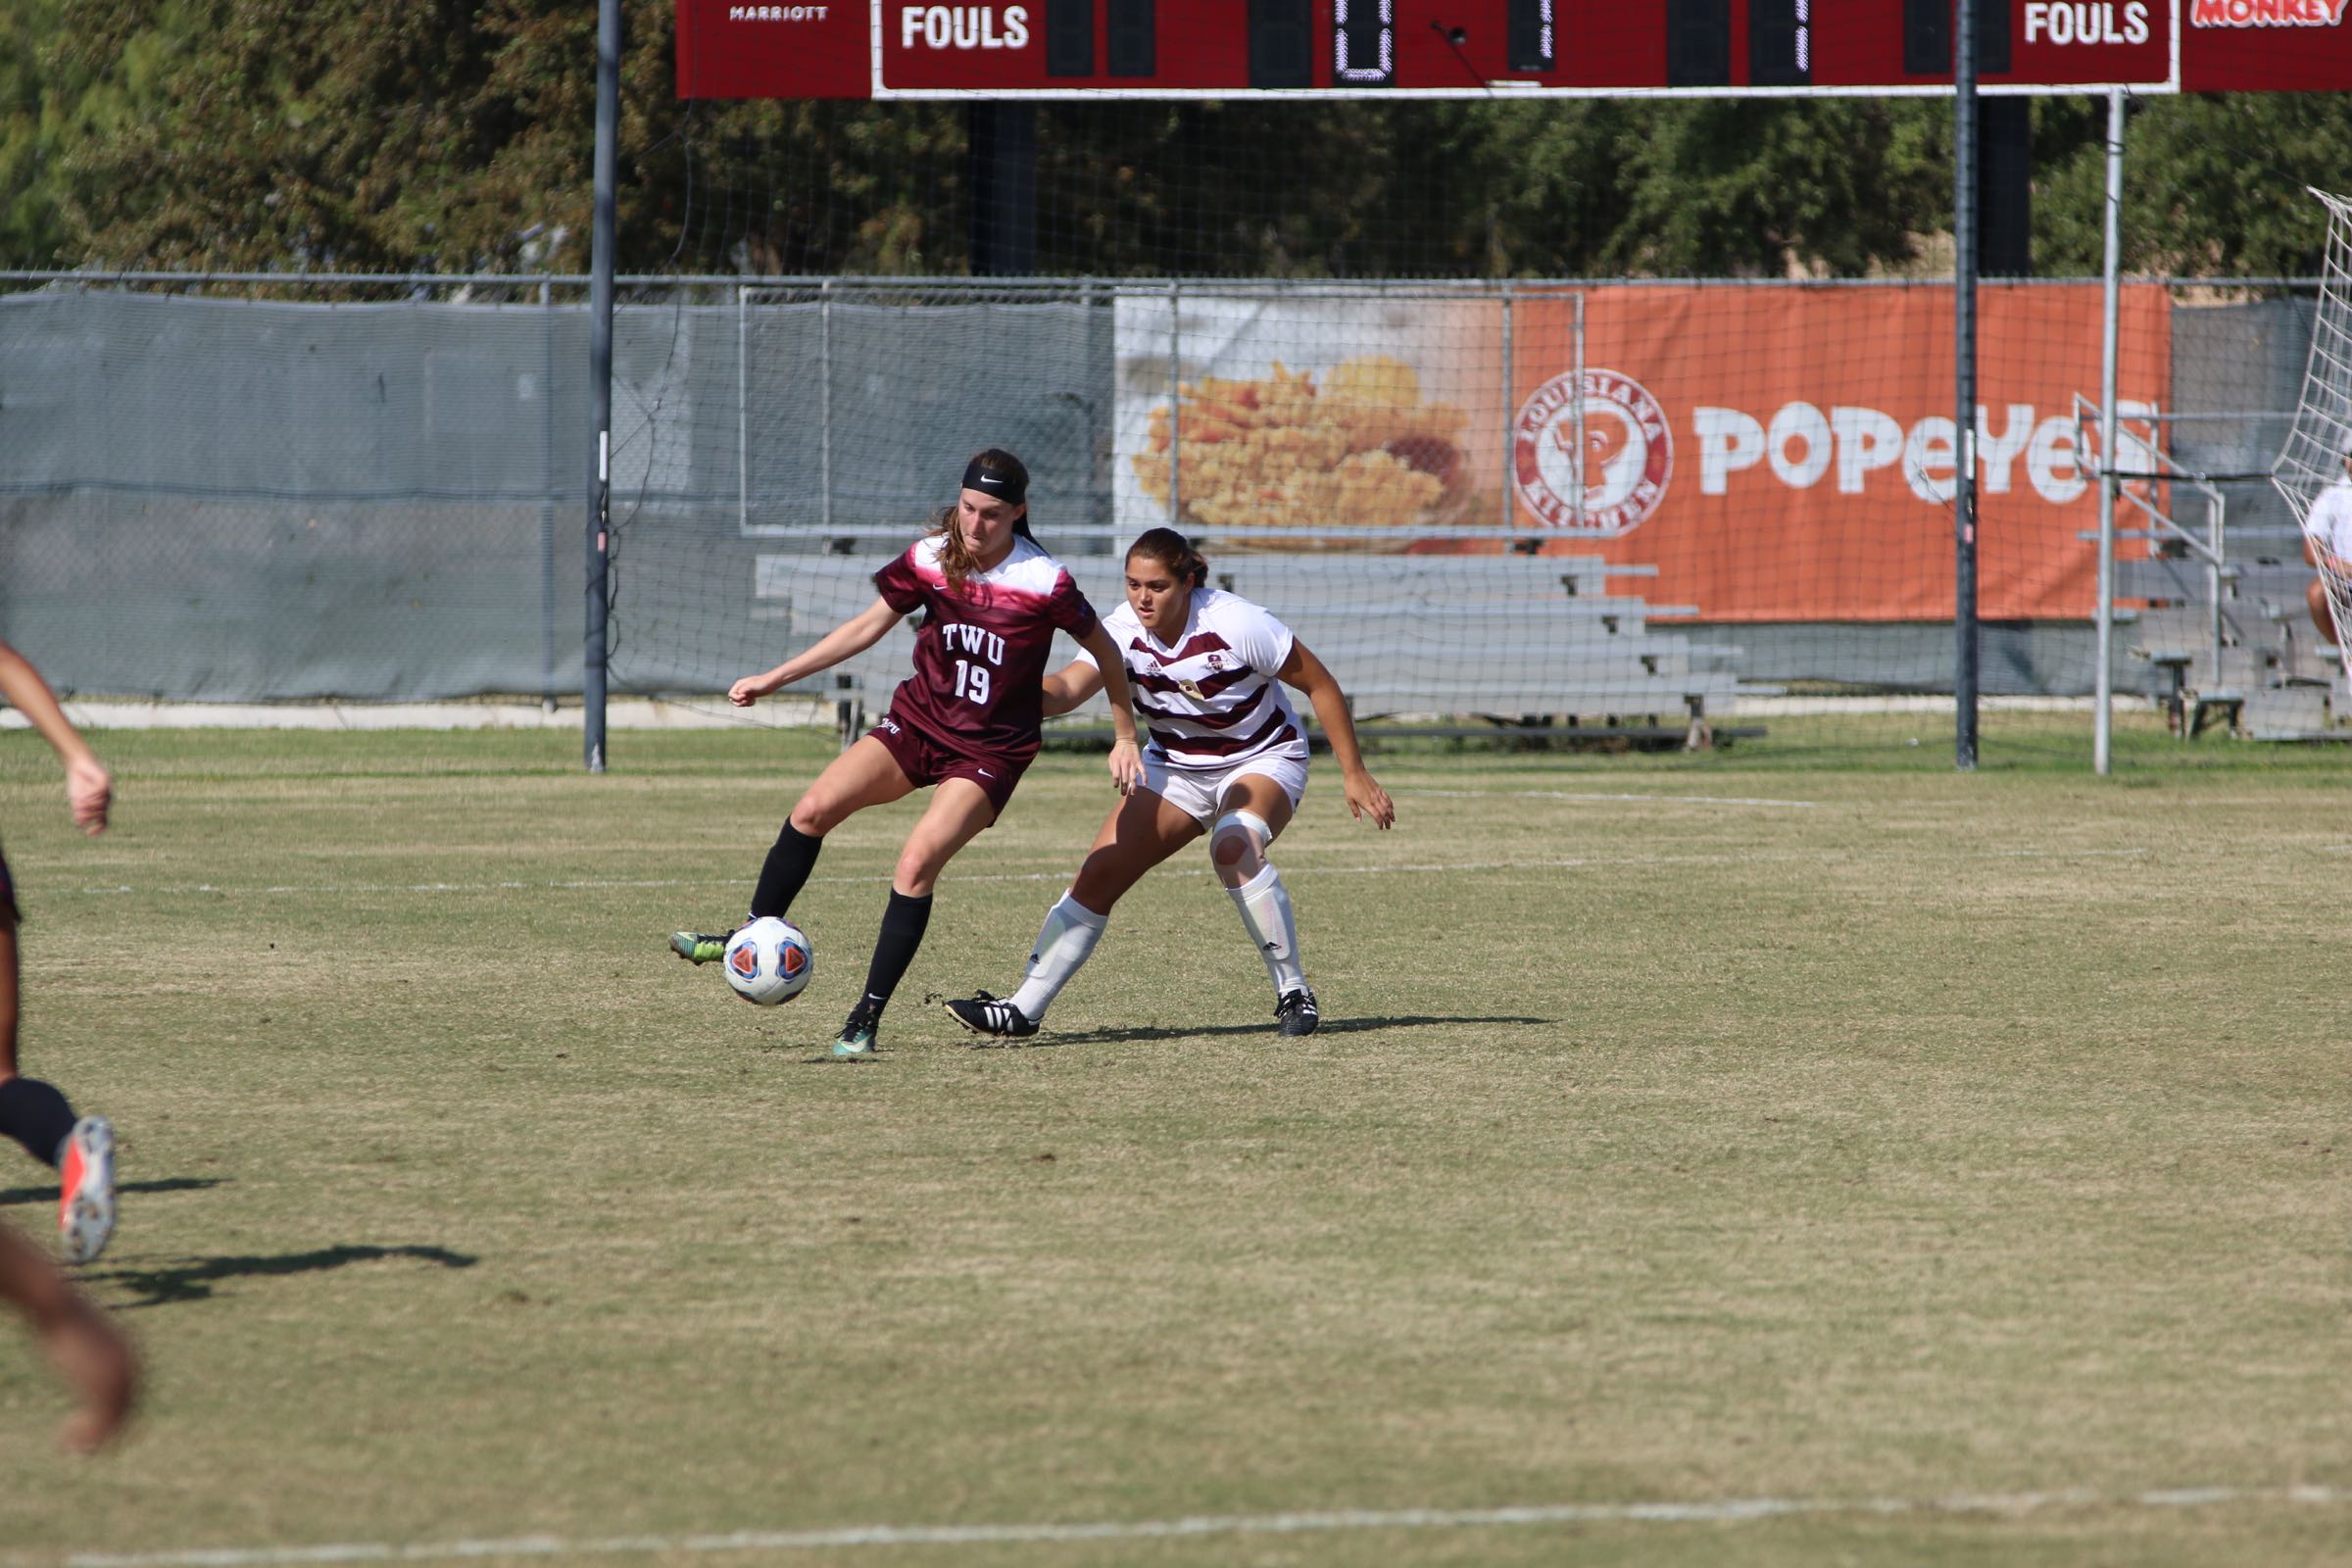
[[769, 961]]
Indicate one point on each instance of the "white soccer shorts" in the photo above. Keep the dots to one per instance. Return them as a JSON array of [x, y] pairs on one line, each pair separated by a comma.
[[1197, 790]]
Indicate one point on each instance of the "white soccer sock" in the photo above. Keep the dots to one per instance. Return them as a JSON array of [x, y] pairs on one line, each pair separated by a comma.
[[1064, 944], [1266, 906]]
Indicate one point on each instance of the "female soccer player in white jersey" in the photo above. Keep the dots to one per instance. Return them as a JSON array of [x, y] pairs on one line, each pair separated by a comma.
[[1226, 756], [967, 720]]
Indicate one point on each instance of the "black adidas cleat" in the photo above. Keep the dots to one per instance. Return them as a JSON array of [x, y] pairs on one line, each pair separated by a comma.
[[1294, 1013], [984, 1014]]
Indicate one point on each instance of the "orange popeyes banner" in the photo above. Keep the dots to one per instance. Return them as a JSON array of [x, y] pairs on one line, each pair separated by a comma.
[[1789, 453]]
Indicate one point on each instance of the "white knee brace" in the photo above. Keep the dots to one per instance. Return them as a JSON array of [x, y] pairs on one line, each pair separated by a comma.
[[1254, 835]]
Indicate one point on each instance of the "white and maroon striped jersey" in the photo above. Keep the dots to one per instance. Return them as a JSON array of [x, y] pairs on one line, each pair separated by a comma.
[[1211, 699]]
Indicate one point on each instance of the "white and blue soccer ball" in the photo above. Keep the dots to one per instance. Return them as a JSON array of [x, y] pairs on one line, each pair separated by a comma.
[[769, 961]]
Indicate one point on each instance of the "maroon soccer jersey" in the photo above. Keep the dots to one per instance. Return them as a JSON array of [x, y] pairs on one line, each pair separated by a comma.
[[980, 657]]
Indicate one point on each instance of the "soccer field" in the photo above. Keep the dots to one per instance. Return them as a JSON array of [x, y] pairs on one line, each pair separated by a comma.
[[1702, 1159]]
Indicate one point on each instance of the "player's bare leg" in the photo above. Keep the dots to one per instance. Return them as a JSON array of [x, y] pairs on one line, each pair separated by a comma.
[[1142, 831], [81, 1341], [865, 775], [39, 1119], [959, 810], [1251, 815]]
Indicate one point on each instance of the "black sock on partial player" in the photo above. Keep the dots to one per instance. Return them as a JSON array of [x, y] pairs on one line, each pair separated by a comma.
[[790, 859], [902, 933], [37, 1116]]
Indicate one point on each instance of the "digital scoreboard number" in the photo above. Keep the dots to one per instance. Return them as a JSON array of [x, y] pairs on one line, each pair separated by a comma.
[[1006, 49]]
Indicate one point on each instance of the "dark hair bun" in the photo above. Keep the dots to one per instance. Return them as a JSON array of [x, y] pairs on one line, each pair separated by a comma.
[[1173, 550]]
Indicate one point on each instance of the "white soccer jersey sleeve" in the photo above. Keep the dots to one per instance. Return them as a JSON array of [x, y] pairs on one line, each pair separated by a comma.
[[2329, 522]]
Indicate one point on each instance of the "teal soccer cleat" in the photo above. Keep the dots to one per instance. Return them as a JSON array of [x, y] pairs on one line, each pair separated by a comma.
[[698, 947], [857, 1042]]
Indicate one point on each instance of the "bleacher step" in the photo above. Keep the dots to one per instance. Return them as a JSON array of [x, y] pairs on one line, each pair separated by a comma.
[[2284, 712]]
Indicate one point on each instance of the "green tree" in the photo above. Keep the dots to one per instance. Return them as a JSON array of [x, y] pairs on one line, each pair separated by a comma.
[[293, 134], [2214, 184], [449, 137], [1835, 186], [48, 107]]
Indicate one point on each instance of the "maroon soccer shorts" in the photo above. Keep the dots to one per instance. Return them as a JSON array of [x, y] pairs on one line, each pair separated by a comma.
[[926, 761]]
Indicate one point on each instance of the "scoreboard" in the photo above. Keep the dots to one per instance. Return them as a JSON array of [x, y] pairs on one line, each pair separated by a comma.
[[1493, 48]]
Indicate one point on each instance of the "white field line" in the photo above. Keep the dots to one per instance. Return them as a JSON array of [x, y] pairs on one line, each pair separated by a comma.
[[1728, 1510], [1598, 795], [1061, 874]]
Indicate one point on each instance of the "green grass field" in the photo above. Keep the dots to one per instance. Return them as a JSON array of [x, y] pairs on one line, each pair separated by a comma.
[[1941, 1164]]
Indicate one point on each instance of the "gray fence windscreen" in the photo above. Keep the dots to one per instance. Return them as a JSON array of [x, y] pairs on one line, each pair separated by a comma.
[[229, 501], [205, 499]]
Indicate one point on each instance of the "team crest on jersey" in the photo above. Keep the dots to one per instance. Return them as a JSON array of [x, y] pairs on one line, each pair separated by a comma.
[[1192, 688], [1616, 479]]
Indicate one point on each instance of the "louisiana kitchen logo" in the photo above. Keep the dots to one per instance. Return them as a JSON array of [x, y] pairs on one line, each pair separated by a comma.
[[1594, 465], [2265, 13]]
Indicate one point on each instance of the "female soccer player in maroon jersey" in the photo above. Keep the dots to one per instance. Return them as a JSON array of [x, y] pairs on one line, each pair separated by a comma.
[[965, 721], [33, 1112], [1226, 749]]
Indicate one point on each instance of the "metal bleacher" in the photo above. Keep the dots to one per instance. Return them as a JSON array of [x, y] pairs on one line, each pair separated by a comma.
[[2224, 630], [2236, 646], [1440, 644]]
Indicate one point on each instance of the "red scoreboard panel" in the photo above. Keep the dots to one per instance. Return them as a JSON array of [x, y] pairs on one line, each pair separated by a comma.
[[2265, 46], [1481, 48]]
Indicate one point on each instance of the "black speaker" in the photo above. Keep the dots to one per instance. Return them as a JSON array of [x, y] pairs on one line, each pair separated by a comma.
[[2005, 186]]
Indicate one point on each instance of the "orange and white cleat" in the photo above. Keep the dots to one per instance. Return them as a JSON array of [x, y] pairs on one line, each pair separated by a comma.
[[85, 1213]]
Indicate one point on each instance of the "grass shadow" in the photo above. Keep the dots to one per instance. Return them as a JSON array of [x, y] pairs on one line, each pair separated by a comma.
[[1113, 1036], [1330, 1026], [165, 1184], [193, 1281]]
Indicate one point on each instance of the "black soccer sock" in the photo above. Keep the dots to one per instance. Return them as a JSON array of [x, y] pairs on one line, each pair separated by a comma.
[[902, 933], [37, 1116], [790, 859]]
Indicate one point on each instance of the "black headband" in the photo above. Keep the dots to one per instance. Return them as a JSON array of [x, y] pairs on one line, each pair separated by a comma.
[[994, 482]]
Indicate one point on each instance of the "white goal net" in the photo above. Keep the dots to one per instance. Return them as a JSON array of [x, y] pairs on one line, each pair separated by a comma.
[[2318, 456]]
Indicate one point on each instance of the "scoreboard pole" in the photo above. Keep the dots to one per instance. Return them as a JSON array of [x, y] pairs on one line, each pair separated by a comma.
[[1964, 321], [2102, 746], [600, 381]]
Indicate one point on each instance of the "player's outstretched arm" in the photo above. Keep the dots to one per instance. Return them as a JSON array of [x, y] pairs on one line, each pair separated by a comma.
[[848, 640], [1366, 800], [80, 1339], [1126, 758], [89, 788], [1070, 685]]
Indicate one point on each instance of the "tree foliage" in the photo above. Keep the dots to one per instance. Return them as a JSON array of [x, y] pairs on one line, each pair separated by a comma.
[[2214, 184], [457, 135]]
